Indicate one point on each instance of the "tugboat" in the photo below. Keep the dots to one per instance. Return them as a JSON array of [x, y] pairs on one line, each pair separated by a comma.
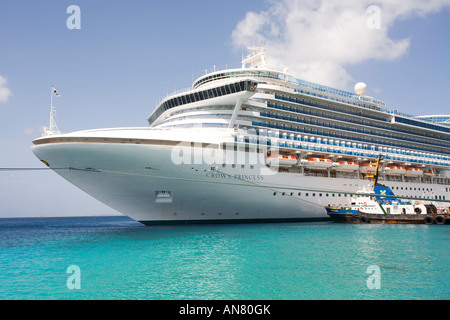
[[382, 206], [376, 208]]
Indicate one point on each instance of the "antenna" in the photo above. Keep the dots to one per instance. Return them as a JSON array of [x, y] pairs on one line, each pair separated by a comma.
[[52, 129]]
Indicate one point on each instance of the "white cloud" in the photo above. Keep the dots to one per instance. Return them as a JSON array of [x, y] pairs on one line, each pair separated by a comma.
[[5, 93], [318, 39]]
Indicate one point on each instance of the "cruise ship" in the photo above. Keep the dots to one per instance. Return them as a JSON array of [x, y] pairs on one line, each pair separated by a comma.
[[254, 144]]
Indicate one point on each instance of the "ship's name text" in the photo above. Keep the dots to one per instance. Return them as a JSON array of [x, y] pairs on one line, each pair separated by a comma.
[[252, 177]]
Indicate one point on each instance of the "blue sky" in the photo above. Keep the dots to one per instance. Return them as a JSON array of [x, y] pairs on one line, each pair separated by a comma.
[[129, 54]]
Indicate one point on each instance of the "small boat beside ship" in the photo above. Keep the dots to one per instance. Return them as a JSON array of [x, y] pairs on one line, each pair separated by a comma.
[[372, 208], [380, 205]]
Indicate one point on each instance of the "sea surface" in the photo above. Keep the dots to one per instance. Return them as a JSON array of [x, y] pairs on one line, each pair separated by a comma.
[[118, 258]]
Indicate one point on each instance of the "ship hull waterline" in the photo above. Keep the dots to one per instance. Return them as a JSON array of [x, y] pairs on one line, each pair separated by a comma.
[[143, 182]]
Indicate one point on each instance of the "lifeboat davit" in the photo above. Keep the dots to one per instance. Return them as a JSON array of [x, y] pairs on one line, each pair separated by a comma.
[[394, 170], [347, 166], [413, 172], [367, 168], [318, 163], [281, 160], [430, 172]]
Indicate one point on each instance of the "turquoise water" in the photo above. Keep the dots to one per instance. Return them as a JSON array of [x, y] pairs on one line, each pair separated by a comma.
[[121, 259]]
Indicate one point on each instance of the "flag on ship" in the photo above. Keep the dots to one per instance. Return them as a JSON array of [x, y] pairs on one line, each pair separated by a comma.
[[56, 93]]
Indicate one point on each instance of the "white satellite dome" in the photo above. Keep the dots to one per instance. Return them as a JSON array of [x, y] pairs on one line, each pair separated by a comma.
[[360, 88]]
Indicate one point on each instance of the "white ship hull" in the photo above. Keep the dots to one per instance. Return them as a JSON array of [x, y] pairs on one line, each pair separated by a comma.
[[139, 178]]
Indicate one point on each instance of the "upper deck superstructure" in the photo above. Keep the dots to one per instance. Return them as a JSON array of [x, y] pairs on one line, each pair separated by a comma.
[[276, 109]]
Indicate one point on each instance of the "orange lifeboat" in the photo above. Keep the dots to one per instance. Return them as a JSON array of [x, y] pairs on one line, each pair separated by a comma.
[[394, 170], [367, 168], [430, 172], [347, 166], [318, 163], [281, 160], [413, 172]]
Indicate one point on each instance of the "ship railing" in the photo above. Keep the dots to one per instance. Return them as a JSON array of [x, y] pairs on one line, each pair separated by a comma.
[[321, 145], [395, 111], [393, 153], [289, 143], [359, 129], [176, 92]]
